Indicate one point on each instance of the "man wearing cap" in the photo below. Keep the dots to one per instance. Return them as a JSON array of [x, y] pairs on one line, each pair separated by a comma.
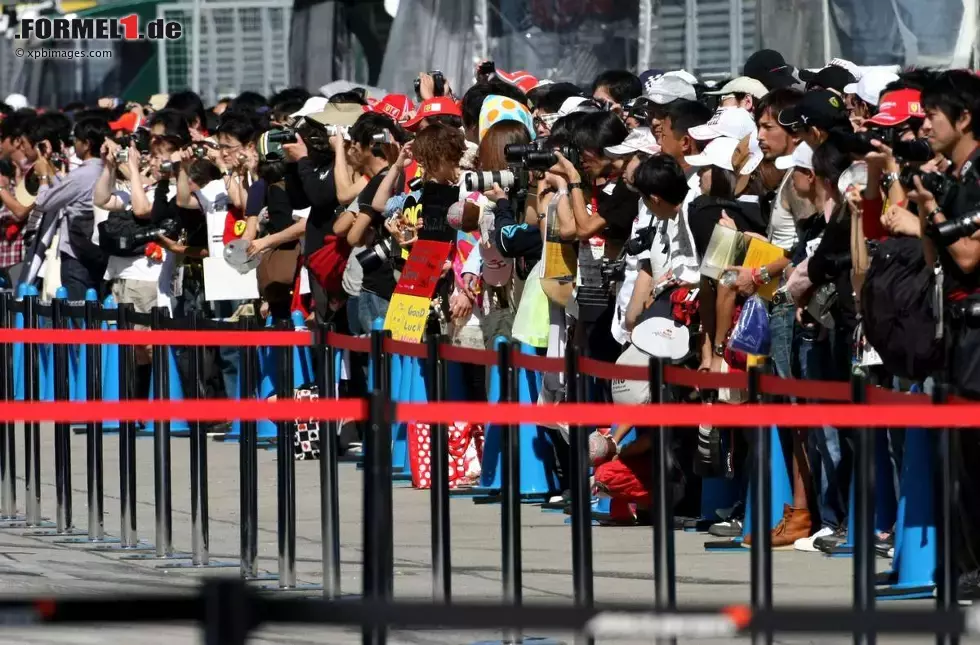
[[742, 92], [862, 96], [820, 112], [770, 68], [439, 109], [734, 123], [902, 111], [639, 146]]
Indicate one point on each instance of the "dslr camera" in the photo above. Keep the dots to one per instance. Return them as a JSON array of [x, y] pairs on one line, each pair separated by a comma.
[[951, 230], [538, 155], [373, 256], [438, 81], [475, 181], [936, 183], [615, 270], [915, 150], [285, 135]]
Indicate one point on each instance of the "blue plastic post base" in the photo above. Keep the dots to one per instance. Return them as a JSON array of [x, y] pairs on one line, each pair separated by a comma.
[[20, 525], [191, 565], [161, 558], [530, 640], [72, 532], [299, 587], [120, 548], [88, 540]]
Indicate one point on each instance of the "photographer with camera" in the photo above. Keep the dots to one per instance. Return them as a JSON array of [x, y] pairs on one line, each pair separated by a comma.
[[950, 220], [366, 228], [319, 177]]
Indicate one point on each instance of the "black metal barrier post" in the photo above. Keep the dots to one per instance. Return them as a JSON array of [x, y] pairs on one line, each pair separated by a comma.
[[94, 475], [128, 537], [62, 432], [32, 429], [377, 532], [436, 371], [248, 462], [946, 528], [329, 476], [162, 459], [8, 447], [665, 594], [510, 497], [864, 514], [581, 495], [761, 552], [286, 475]]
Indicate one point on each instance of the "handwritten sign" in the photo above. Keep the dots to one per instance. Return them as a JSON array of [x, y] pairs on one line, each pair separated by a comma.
[[407, 316], [423, 268]]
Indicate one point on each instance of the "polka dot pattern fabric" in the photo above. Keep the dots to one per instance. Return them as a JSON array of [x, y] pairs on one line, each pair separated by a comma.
[[465, 454], [497, 109]]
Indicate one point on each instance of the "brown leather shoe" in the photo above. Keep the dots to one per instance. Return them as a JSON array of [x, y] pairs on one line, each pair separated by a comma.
[[794, 525]]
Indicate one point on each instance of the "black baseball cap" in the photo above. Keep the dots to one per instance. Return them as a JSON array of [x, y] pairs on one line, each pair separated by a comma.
[[831, 77], [820, 108], [769, 68]]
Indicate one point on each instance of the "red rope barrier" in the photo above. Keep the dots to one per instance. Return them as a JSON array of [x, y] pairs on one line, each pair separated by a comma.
[[598, 414], [203, 338]]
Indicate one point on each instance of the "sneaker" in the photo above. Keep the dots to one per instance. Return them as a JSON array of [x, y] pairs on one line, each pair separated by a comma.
[[885, 546], [726, 529], [829, 543], [968, 587], [807, 544]]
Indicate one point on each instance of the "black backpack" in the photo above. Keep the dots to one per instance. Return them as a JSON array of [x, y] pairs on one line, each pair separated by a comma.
[[899, 306]]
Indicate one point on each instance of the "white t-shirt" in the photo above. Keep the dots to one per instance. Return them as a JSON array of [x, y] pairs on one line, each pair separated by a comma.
[[782, 224], [142, 268], [643, 219], [213, 200]]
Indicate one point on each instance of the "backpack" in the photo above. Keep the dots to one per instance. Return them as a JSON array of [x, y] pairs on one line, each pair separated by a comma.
[[899, 306]]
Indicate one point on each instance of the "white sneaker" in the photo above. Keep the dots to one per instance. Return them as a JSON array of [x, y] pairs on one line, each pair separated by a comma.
[[806, 544]]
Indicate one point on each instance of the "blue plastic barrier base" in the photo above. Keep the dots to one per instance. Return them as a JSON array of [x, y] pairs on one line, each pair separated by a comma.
[[842, 551], [886, 578], [548, 509], [526, 639], [401, 476], [17, 525], [725, 546], [88, 540], [54, 533], [262, 577], [298, 587], [526, 498], [161, 558], [191, 565], [182, 434], [121, 548], [905, 592]]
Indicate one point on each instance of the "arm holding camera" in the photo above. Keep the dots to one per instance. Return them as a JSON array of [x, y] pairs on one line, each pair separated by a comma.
[[142, 208], [18, 211], [103, 196], [185, 198], [348, 188], [585, 226], [394, 176], [965, 251]]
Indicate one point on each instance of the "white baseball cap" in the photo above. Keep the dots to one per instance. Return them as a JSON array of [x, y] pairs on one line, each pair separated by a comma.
[[669, 87], [802, 157], [639, 140], [741, 85], [684, 75], [574, 104], [313, 105], [717, 153], [871, 85], [17, 101], [735, 123]]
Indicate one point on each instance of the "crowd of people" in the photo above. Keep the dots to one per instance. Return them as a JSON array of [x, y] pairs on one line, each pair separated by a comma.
[[826, 219]]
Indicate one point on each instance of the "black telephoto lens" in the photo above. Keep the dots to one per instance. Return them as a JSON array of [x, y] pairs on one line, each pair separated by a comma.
[[916, 150]]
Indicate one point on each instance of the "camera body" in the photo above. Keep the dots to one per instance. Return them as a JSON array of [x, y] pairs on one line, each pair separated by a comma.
[[538, 156], [375, 255], [476, 181], [915, 150], [283, 136], [167, 168], [383, 138], [936, 183], [438, 81], [641, 242], [951, 230]]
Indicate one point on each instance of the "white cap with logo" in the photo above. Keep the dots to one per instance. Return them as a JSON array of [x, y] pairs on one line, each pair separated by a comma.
[[638, 140], [735, 123], [802, 157]]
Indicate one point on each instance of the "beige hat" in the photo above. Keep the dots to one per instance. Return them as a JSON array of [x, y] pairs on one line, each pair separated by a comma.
[[337, 114], [159, 101]]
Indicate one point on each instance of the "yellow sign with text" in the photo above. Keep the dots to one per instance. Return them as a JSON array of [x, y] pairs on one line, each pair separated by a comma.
[[407, 316]]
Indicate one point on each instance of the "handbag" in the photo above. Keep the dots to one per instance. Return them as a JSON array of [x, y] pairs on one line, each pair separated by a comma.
[[306, 432], [327, 263], [277, 272], [52, 268]]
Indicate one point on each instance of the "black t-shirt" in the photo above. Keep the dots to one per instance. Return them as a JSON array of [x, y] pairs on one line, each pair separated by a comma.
[[831, 262], [191, 220], [381, 281], [961, 199], [619, 208], [307, 185], [276, 201]]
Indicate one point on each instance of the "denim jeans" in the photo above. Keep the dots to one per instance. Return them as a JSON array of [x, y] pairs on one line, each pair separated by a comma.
[[824, 446], [782, 322], [369, 308], [78, 278]]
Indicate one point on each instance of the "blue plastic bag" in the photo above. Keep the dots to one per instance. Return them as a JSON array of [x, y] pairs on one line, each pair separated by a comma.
[[751, 332]]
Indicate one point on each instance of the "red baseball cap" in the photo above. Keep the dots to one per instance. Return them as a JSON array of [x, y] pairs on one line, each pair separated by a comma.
[[128, 122], [898, 107], [436, 106], [522, 80], [397, 106]]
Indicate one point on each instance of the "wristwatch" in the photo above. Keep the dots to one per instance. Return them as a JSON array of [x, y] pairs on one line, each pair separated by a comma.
[[719, 349], [889, 179], [764, 276], [572, 186]]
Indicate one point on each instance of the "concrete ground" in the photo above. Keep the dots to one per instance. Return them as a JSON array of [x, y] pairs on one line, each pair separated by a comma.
[[622, 556]]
